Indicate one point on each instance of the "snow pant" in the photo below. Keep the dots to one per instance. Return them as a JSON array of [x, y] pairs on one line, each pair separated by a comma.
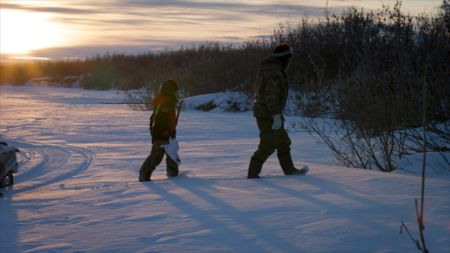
[[154, 159], [269, 141]]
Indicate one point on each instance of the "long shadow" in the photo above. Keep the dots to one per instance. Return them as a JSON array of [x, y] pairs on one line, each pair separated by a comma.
[[337, 189], [333, 208], [205, 217], [9, 237], [9, 224], [263, 235]]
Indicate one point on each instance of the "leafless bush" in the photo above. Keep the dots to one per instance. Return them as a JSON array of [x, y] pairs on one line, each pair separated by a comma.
[[140, 100], [354, 147], [375, 76]]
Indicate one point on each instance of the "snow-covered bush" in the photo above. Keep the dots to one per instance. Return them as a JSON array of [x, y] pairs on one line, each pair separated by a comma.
[[229, 101]]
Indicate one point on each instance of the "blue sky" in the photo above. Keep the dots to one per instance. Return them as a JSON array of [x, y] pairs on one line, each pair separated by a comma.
[[76, 28]]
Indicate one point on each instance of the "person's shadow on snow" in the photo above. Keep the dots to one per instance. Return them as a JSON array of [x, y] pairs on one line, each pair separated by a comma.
[[331, 188], [237, 229]]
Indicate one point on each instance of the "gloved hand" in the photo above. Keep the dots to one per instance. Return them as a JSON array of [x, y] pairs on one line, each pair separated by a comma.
[[277, 122]]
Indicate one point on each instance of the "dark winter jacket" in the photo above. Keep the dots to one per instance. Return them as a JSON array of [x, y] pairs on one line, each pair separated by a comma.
[[163, 119], [271, 89]]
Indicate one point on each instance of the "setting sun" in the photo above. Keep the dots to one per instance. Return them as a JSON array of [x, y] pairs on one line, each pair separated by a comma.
[[23, 31]]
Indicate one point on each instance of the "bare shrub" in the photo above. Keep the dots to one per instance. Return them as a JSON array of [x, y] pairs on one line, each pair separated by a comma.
[[382, 59], [140, 100]]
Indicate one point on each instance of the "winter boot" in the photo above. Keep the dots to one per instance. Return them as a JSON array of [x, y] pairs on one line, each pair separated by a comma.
[[254, 168], [172, 173], [145, 174], [172, 167], [288, 166], [301, 171]]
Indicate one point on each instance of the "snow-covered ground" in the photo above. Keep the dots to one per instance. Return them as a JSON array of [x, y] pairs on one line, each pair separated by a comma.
[[77, 188]]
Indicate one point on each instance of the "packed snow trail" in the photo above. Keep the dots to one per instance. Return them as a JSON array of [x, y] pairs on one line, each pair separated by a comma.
[[77, 189], [50, 164]]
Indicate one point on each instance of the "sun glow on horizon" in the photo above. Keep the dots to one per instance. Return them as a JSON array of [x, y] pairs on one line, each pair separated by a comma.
[[22, 32], [44, 29]]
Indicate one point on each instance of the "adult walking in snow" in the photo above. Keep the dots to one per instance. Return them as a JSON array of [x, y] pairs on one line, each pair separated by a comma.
[[271, 92], [163, 123]]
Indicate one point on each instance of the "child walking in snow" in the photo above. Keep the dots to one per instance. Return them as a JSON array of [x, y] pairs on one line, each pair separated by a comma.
[[163, 123]]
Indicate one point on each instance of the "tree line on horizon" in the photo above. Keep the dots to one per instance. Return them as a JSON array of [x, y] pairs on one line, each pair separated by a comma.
[[209, 67]]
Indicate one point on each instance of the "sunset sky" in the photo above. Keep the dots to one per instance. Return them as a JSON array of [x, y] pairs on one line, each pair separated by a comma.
[[54, 29]]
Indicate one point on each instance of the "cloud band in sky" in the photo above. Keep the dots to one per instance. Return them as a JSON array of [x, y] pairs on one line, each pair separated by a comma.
[[155, 23]]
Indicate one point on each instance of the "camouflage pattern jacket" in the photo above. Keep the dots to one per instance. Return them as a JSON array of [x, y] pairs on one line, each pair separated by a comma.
[[271, 89]]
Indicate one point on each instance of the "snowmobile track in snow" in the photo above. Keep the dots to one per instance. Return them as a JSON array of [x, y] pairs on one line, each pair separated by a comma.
[[47, 164]]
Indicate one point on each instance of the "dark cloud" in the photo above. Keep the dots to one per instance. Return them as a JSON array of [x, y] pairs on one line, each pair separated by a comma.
[[231, 38], [59, 10], [139, 14], [279, 10], [141, 7], [265, 37], [272, 9]]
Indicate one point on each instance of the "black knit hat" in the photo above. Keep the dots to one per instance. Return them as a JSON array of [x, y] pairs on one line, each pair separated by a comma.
[[283, 50], [168, 87]]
